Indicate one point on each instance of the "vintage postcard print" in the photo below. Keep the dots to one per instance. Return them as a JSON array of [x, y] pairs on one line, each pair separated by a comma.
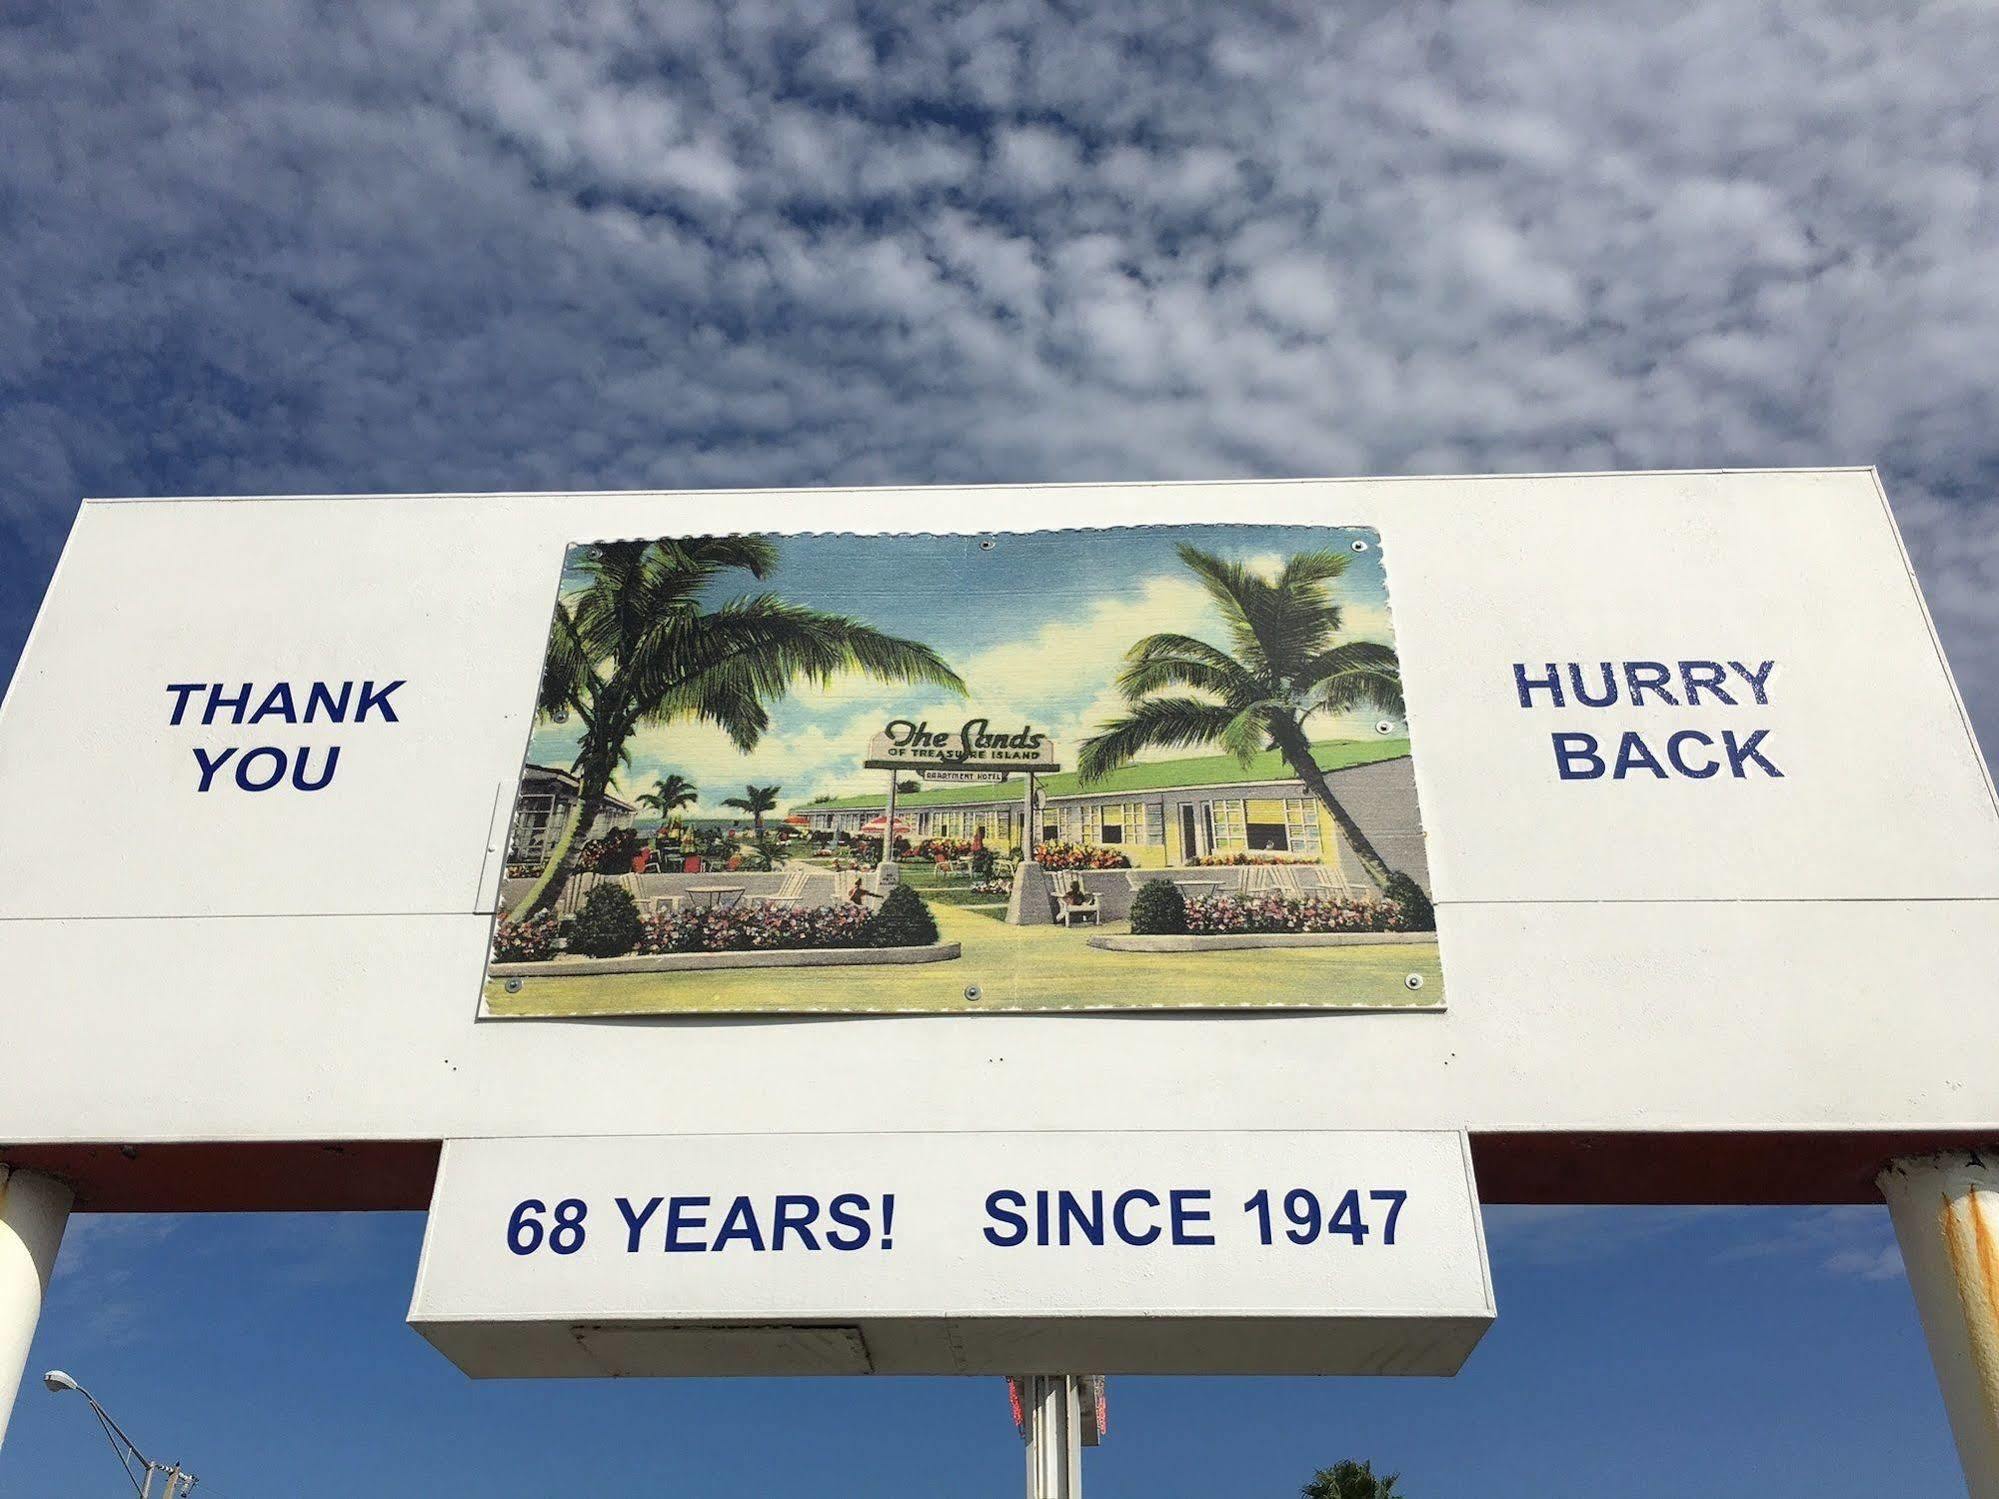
[[1140, 768]]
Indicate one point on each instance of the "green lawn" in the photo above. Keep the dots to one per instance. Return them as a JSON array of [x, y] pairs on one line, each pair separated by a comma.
[[1014, 968]]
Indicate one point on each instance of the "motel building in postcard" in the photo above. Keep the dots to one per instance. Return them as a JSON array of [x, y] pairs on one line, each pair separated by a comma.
[[1167, 813], [548, 799]]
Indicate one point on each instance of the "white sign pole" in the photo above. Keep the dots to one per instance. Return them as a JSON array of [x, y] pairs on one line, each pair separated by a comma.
[[1946, 1212], [1054, 1436], [887, 871], [33, 1210]]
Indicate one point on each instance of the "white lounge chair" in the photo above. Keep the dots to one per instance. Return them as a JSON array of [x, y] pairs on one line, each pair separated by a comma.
[[1329, 880], [789, 893], [1067, 912], [1298, 880]]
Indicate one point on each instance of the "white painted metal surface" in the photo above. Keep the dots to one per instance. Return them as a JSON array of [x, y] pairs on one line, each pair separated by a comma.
[[1946, 1212], [33, 1212], [914, 1253], [1054, 1437], [1805, 952]]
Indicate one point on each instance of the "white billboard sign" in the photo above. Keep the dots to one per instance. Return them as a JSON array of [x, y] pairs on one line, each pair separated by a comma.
[[977, 1253], [1677, 763]]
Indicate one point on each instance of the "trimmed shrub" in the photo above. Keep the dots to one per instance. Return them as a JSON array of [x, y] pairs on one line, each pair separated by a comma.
[[903, 921], [608, 926], [1418, 915], [1159, 909]]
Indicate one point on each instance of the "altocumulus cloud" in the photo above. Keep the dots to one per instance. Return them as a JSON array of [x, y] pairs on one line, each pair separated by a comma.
[[301, 247]]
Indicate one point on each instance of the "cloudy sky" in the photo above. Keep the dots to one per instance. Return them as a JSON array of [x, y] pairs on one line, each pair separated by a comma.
[[1051, 664], [294, 247], [302, 247]]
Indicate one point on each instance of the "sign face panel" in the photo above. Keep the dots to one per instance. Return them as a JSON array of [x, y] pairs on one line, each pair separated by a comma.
[[1236, 827], [1711, 849], [976, 745], [986, 1253]]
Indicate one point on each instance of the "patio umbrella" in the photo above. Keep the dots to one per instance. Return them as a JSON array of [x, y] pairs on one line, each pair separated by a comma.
[[874, 827]]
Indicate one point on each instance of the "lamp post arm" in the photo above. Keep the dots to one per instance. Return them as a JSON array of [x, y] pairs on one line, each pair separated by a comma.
[[115, 1434]]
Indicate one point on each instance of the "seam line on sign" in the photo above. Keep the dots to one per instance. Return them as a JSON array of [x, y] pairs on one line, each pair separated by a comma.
[[601, 494], [486, 858], [1497, 900]]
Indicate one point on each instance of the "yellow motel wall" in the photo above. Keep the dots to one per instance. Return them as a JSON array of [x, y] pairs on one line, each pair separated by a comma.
[[1151, 827]]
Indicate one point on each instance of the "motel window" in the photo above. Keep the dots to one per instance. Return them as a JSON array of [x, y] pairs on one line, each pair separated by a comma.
[[1229, 824], [923, 823], [1269, 836], [1301, 825], [1109, 829], [1152, 818], [1050, 832]]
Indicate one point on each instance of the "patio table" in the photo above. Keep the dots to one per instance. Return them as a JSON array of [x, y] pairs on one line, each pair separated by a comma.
[[724, 896]]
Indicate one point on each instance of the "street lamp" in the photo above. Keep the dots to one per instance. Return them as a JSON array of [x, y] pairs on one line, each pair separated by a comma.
[[178, 1484]]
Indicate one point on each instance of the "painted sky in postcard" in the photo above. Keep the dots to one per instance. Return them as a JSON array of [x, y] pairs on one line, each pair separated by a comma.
[[1037, 625]]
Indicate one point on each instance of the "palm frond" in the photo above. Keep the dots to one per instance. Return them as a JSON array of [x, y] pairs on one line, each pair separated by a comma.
[[766, 645], [564, 670], [1359, 674], [1308, 569], [1170, 660], [1248, 734], [1156, 723], [1296, 616], [1230, 586]]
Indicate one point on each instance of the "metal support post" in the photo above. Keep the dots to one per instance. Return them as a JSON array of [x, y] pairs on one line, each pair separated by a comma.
[[1054, 1436], [888, 873], [33, 1210], [1946, 1213]]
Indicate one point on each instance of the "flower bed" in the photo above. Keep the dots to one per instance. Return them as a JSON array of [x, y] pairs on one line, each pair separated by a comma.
[[941, 848], [529, 941], [756, 928], [1230, 915], [1079, 856], [744, 928]]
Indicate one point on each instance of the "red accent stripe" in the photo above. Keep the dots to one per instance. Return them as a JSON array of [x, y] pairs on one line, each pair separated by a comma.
[[1787, 1167]]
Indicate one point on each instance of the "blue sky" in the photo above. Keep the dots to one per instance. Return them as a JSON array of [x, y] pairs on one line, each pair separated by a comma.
[[1642, 1353], [290, 247], [1036, 624]]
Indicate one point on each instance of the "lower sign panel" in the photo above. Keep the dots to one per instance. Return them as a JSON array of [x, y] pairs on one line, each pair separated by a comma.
[[1312, 1252]]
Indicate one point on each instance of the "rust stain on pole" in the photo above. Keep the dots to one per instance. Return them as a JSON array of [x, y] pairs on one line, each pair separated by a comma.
[[1964, 1221]]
